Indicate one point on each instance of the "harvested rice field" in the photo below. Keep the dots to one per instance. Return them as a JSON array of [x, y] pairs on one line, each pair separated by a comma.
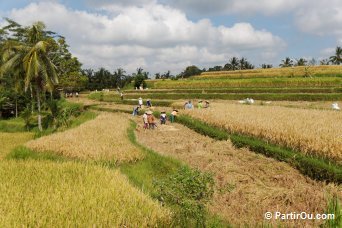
[[104, 138], [314, 132], [47, 194], [247, 184]]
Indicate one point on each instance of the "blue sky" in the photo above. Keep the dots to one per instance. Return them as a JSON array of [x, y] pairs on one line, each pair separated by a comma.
[[161, 35]]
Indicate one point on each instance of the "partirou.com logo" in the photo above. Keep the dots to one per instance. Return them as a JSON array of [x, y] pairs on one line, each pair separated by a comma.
[[297, 215]]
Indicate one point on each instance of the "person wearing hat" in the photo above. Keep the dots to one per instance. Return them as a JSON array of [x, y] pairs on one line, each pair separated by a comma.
[[189, 105], [206, 105], [163, 118], [145, 120], [140, 102], [200, 104], [151, 120], [173, 115], [148, 103]]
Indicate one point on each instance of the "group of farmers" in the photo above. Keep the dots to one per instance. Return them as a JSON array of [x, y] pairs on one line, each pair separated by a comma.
[[149, 119]]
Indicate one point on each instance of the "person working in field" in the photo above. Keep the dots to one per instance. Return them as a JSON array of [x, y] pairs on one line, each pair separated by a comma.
[[200, 104], [189, 105], [206, 104], [140, 102], [151, 120], [145, 121], [173, 115], [148, 103], [135, 111], [163, 118]]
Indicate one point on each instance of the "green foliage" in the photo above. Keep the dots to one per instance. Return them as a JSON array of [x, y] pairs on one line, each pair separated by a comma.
[[139, 80], [188, 191], [27, 115], [334, 207], [238, 96], [23, 153], [12, 125], [190, 71]]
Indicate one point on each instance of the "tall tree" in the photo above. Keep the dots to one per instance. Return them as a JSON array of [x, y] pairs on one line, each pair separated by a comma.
[[287, 62], [31, 55], [337, 58], [301, 62]]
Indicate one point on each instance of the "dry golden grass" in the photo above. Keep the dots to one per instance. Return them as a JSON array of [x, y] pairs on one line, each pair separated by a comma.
[[317, 132], [11, 140], [247, 184], [46, 194], [104, 138], [275, 72]]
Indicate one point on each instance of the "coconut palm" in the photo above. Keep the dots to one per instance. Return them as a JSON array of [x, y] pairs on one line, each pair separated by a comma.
[[337, 58], [287, 62], [301, 62], [32, 57]]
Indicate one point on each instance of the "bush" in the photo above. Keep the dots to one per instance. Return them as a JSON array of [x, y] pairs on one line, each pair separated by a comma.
[[187, 191]]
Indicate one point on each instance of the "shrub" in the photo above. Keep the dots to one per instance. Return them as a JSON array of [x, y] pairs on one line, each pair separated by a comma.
[[188, 191]]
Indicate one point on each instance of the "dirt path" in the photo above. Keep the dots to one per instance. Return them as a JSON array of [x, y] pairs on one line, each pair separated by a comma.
[[247, 184]]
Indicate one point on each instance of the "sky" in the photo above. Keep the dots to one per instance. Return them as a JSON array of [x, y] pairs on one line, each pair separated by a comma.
[[162, 35]]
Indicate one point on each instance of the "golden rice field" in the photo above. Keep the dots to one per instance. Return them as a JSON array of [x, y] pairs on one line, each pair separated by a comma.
[[11, 140], [275, 72], [104, 138], [46, 194], [316, 132]]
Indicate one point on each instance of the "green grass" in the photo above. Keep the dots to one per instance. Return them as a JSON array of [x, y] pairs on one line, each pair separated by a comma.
[[242, 90], [315, 168], [24, 153], [154, 167], [12, 125], [100, 96], [236, 96]]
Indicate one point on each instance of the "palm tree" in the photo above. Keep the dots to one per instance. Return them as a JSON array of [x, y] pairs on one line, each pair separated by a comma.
[[32, 57], [301, 62], [233, 64], [287, 62], [337, 58]]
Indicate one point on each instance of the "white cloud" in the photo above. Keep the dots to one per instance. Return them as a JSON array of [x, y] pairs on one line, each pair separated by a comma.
[[321, 17], [154, 36], [242, 7]]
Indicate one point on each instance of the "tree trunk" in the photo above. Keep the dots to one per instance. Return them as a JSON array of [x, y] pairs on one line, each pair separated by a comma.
[[32, 103], [39, 114], [16, 107]]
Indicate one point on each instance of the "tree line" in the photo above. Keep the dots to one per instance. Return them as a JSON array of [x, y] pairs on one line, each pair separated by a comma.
[[235, 63]]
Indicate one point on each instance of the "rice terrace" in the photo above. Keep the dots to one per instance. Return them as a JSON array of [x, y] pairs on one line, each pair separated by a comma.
[[92, 134]]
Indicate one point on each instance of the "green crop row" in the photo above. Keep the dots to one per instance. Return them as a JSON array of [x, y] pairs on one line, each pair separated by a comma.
[[237, 96], [242, 90], [316, 168]]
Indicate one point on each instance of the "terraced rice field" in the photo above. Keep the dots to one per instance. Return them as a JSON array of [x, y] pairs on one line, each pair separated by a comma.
[[315, 132], [247, 184], [276, 72], [103, 138], [47, 194]]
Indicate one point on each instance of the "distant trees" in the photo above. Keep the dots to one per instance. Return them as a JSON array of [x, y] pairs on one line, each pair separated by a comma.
[[190, 71], [104, 79], [287, 62], [266, 66], [238, 64], [337, 58], [301, 62]]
